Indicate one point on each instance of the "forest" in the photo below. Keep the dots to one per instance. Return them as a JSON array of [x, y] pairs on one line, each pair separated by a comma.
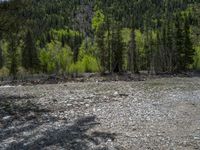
[[105, 36], [99, 74]]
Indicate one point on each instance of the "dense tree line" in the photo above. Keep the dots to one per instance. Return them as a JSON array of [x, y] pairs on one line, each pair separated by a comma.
[[73, 36]]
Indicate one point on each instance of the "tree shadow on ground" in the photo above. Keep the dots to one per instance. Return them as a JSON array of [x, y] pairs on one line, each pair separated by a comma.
[[69, 136], [29, 127], [9, 105], [15, 97], [18, 117]]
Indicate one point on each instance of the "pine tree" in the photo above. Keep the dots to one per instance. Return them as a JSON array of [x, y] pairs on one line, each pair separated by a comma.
[[1, 57], [12, 49], [117, 48], [188, 46], [30, 59], [48, 37], [147, 47], [169, 47], [133, 54], [76, 44], [101, 45], [63, 40], [158, 53], [151, 54], [179, 45], [164, 45]]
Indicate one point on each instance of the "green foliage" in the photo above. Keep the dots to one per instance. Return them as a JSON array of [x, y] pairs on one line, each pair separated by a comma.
[[195, 24], [101, 46], [68, 37], [87, 64], [126, 37], [22, 71], [133, 56], [188, 45], [88, 54], [90, 64], [4, 72], [197, 58], [140, 43], [184, 44], [1, 58], [117, 49], [88, 47], [59, 34], [30, 59], [77, 67], [56, 59], [89, 36], [126, 32], [98, 20], [4, 47], [13, 53]]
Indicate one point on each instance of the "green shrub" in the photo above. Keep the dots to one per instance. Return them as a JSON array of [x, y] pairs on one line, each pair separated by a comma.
[[22, 71], [87, 57], [77, 68], [196, 64], [90, 64], [4, 72], [88, 47], [87, 64], [55, 58]]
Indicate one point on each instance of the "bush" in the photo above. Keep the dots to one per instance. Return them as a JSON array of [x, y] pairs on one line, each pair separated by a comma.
[[77, 68], [90, 64], [196, 64], [22, 71], [87, 64], [4, 72], [55, 58]]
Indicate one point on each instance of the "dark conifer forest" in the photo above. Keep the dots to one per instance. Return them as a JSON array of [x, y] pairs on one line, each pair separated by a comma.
[[114, 36]]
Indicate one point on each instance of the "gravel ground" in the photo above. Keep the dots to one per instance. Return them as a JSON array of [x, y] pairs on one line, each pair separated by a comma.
[[157, 114]]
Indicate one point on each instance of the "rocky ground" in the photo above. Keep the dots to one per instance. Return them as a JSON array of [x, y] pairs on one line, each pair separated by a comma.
[[156, 114]]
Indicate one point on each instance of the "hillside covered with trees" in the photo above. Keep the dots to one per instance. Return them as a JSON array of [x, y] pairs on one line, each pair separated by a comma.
[[99, 74], [76, 36]]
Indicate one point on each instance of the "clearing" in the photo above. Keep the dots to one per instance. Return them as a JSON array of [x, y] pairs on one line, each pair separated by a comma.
[[154, 114]]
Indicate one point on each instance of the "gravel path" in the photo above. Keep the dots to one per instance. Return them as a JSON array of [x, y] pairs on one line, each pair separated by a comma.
[[157, 114]]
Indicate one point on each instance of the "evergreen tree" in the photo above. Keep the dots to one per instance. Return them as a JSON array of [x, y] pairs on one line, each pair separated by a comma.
[[1, 57], [151, 54], [30, 59], [101, 45], [179, 45], [158, 53], [147, 49], [63, 40], [117, 48], [48, 37], [77, 40], [164, 45], [188, 46], [12, 48], [170, 51], [133, 54]]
